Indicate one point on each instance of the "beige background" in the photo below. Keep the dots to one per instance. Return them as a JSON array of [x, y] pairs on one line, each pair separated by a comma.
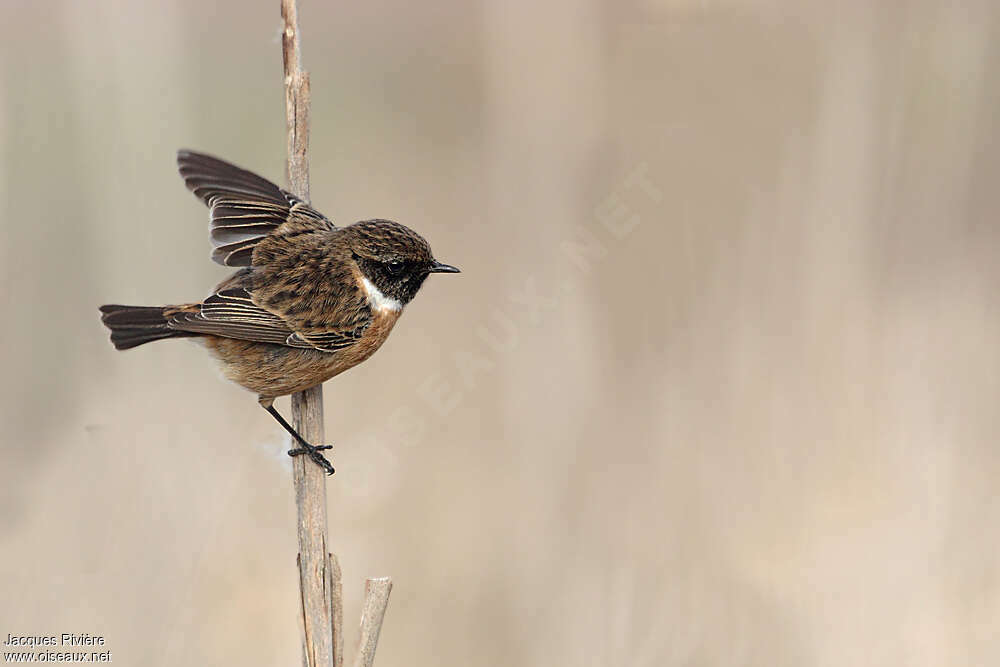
[[718, 384]]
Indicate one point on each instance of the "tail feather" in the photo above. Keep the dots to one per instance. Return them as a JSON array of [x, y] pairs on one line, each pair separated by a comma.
[[134, 325]]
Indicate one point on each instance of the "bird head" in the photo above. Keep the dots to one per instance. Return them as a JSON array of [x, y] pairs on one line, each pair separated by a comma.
[[393, 258]]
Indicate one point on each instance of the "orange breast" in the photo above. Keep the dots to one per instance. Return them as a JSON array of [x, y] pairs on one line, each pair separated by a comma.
[[382, 323], [277, 370]]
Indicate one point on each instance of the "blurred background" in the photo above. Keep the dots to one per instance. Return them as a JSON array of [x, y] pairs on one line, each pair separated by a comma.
[[718, 384]]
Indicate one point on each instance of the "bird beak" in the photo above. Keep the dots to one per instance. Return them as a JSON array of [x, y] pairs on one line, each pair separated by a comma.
[[438, 267]]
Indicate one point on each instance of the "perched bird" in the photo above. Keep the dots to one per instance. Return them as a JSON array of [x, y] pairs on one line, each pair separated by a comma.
[[311, 300]]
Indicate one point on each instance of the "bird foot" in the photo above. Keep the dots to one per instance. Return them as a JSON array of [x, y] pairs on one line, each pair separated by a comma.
[[314, 453]]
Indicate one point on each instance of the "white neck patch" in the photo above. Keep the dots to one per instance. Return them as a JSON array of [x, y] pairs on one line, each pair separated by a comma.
[[377, 300]]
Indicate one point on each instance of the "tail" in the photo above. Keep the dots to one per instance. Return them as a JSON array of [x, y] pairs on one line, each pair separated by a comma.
[[135, 325]]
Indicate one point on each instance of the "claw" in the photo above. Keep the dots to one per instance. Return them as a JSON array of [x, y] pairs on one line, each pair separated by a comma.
[[306, 448], [314, 454]]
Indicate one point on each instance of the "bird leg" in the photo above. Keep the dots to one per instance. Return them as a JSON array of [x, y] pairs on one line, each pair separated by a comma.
[[305, 448]]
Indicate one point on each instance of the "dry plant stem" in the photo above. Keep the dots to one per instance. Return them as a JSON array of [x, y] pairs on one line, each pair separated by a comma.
[[318, 585], [376, 600], [319, 578], [338, 614], [322, 617]]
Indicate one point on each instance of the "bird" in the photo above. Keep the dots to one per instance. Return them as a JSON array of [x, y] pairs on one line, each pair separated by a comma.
[[308, 301]]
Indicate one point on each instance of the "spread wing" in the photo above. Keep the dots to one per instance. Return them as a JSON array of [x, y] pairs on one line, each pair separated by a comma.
[[244, 207], [231, 313]]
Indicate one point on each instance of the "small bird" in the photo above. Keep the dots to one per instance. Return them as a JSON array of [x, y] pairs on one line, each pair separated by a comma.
[[310, 301]]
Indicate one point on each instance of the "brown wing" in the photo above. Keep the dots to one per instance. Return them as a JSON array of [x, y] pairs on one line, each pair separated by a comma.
[[244, 207], [231, 313]]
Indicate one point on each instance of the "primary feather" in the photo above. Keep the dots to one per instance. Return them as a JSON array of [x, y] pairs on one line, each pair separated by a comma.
[[244, 208]]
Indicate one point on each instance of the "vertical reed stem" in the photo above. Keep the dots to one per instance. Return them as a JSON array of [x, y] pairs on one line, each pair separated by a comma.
[[319, 575]]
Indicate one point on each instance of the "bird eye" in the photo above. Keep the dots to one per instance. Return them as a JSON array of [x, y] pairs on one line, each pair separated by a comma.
[[395, 267]]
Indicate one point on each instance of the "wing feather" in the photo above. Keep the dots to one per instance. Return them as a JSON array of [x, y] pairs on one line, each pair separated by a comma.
[[244, 207], [328, 341], [231, 313]]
